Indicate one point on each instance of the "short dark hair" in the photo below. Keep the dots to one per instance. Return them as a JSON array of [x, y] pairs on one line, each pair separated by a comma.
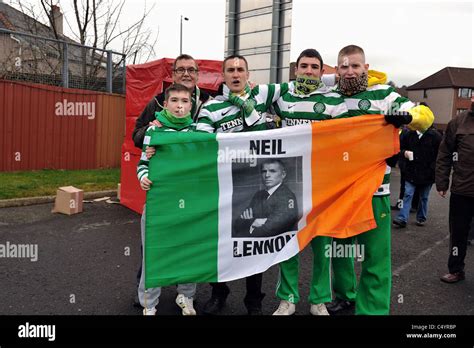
[[275, 160], [235, 56], [177, 87], [351, 49], [183, 57], [311, 53], [424, 104]]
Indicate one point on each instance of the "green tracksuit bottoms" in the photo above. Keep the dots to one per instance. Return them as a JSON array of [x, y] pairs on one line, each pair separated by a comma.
[[320, 291], [373, 293]]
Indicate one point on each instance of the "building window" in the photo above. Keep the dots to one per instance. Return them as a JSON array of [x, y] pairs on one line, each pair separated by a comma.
[[425, 95], [465, 93], [458, 111]]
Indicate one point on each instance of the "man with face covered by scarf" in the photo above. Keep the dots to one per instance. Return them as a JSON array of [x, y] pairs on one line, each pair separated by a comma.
[[307, 100], [363, 97]]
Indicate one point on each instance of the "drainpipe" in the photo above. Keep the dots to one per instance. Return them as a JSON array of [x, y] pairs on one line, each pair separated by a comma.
[[275, 41], [18, 41], [232, 30]]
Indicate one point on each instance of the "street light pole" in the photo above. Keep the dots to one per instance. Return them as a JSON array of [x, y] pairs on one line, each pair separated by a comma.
[[181, 34]]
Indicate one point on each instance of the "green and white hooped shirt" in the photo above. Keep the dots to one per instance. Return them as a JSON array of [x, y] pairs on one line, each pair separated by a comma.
[[322, 104], [377, 99], [221, 116]]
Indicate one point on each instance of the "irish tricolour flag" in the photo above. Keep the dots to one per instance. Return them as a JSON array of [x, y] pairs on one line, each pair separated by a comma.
[[225, 206]]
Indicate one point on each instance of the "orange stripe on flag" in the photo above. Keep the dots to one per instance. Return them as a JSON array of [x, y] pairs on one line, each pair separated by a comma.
[[347, 167]]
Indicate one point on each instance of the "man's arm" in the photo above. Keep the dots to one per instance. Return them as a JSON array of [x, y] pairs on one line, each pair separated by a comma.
[[244, 221], [204, 121], [266, 95], [405, 144], [444, 161], [400, 110], [329, 80], [142, 167], [283, 216]]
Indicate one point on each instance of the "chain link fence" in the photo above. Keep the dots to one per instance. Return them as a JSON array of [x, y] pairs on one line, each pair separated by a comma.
[[26, 57]]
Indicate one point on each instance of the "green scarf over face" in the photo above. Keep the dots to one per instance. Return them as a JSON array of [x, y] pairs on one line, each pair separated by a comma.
[[245, 103], [305, 84], [169, 120]]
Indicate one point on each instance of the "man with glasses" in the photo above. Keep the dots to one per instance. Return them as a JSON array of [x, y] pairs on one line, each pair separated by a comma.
[[185, 72]]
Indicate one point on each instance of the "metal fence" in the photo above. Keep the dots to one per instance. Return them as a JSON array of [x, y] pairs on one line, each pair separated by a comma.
[[32, 58]]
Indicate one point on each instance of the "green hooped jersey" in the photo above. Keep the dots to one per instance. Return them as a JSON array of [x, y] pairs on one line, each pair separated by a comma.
[[221, 116], [142, 167], [377, 99], [322, 104]]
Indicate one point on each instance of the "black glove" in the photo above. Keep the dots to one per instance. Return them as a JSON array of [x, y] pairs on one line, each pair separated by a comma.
[[399, 118], [392, 161]]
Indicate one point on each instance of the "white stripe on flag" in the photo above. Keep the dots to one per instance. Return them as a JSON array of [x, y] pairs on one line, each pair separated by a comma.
[[294, 146]]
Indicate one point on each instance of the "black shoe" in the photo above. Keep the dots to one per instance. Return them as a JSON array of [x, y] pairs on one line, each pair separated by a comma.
[[397, 205], [255, 311], [420, 222], [399, 223], [339, 305], [213, 306]]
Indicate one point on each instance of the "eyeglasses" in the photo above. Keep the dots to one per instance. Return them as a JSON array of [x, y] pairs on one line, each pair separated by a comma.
[[181, 71]]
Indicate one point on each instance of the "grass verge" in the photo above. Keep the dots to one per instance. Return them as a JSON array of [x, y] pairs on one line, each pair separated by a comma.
[[45, 182]]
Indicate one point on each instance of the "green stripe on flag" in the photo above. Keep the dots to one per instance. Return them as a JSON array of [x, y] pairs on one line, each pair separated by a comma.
[[182, 209]]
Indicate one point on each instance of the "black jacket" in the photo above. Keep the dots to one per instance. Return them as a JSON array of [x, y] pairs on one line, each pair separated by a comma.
[[156, 104], [420, 171], [457, 152], [280, 210]]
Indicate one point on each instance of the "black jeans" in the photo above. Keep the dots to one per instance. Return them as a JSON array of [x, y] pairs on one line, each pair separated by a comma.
[[461, 213], [254, 295]]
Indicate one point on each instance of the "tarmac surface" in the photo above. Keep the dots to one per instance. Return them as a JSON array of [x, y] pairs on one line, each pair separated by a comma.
[[87, 264]]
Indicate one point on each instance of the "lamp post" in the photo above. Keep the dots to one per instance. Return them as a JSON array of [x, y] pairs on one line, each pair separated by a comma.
[[181, 34]]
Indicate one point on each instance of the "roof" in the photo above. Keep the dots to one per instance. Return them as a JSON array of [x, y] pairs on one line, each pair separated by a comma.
[[446, 78], [15, 20]]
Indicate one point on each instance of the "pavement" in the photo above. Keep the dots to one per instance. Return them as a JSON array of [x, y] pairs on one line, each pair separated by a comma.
[[87, 264]]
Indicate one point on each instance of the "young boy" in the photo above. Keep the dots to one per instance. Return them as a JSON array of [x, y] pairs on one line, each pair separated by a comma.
[[176, 116]]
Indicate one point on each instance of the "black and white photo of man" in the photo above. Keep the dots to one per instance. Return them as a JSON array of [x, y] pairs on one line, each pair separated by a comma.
[[271, 211]]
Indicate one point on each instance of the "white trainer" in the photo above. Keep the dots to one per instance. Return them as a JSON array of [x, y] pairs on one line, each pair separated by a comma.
[[285, 308], [318, 309], [149, 311], [186, 304]]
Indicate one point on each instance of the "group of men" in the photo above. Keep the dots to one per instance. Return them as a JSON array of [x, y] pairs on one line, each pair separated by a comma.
[[240, 108]]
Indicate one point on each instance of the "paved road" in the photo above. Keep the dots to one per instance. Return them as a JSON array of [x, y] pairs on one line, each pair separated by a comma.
[[87, 265]]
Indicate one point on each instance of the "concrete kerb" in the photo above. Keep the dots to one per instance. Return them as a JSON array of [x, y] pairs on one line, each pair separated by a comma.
[[19, 202]]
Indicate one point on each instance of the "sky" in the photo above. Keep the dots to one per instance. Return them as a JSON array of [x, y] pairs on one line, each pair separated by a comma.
[[407, 39]]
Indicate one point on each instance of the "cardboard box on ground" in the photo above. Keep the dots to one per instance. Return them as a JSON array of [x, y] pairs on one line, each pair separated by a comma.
[[69, 200]]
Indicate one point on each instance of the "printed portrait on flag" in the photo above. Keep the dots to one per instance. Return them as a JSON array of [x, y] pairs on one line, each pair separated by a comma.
[[266, 198]]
